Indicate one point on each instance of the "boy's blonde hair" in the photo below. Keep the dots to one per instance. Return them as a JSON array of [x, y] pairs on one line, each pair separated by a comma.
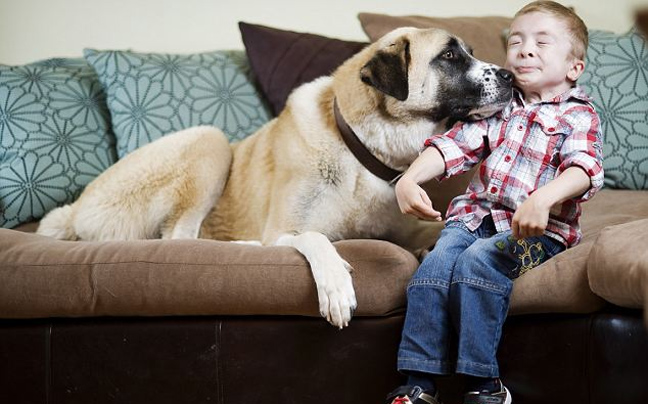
[[575, 26]]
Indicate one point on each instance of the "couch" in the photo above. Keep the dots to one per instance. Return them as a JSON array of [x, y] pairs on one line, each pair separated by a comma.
[[198, 321]]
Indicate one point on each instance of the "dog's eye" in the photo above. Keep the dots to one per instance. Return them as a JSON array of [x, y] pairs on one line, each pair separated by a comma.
[[449, 54]]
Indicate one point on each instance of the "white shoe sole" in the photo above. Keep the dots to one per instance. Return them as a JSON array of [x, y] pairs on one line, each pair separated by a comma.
[[508, 400]]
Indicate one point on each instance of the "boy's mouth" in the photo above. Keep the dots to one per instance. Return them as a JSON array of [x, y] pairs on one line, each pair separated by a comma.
[[525, 69]]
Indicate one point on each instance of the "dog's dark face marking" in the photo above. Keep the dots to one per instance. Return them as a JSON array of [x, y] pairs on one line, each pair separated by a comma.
[[468, 88], [451, 82]]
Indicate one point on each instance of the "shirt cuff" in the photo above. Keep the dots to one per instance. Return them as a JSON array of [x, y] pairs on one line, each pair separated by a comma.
[[453, 157], [591, 166]]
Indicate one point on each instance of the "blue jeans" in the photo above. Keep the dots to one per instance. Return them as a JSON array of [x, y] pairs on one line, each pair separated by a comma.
[[458, 299]]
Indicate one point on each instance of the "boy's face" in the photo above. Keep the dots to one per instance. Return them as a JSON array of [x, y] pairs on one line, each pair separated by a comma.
[[540, 55]]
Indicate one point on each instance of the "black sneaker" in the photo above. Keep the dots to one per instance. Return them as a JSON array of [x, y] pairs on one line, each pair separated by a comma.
[[411, 395], [483, 397]]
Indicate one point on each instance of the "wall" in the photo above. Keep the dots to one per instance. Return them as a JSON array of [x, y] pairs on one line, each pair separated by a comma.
[[36, 29]]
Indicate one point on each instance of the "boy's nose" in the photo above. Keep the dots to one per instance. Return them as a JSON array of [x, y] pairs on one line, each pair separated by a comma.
[[526, 51]]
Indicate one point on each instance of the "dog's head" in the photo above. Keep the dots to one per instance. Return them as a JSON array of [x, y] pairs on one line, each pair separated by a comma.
[[433, 73]]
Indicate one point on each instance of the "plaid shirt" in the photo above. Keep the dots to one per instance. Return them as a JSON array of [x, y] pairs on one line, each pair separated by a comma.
[[523, 148]]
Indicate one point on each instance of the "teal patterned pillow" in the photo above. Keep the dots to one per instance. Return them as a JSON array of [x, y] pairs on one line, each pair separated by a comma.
[[150, 94], [54, 136], [616, 76]]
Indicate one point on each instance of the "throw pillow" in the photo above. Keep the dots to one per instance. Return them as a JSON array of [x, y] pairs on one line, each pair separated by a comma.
[[483, 34], [150, 94], [282, 60], [616, 77], [54, 136]]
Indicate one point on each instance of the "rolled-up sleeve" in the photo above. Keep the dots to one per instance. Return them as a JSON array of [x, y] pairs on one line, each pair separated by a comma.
[[584, 148], [462, 146]]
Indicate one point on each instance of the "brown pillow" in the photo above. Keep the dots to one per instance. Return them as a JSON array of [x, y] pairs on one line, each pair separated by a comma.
[[483, 34], [282, 60]]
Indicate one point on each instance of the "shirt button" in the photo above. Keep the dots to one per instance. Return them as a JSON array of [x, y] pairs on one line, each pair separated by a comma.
[[493, 190], [520, 127], [507, 158]]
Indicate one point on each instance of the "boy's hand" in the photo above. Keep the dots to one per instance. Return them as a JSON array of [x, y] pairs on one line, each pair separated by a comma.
[[531, 218], [413, 200]]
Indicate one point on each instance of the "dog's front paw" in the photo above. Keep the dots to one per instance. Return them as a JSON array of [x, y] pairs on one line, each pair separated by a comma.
[[337, 300]]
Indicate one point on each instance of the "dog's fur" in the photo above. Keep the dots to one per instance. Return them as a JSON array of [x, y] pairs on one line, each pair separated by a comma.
[[295, 182]]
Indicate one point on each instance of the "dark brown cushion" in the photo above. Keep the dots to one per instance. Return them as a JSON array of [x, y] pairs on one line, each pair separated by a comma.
[[484, 34], [44, 277], [282, 60]]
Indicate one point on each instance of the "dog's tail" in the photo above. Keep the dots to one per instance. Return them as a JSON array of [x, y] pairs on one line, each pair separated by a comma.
[[58, 224]]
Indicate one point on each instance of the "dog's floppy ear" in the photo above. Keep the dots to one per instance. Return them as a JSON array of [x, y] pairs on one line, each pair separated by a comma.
[[387, 70]]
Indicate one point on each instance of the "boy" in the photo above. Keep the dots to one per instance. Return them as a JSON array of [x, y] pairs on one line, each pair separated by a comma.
[[541, 158]]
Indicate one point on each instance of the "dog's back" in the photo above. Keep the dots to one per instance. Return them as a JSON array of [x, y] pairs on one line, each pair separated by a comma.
[[159, 190]]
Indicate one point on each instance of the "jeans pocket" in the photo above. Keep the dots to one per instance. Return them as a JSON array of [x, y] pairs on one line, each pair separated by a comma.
[[531, 252]]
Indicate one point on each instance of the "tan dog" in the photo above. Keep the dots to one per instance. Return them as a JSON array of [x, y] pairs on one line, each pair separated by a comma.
[[295, 182]]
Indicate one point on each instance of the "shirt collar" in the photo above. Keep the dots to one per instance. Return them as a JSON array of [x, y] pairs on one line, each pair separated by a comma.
[[517, 101]]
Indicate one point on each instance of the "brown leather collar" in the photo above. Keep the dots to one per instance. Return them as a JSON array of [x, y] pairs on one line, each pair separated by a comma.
[[360, 151]]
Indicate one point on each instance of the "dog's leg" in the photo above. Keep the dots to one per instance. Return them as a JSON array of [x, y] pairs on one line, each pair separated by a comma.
[[186, 226], [337, 299]]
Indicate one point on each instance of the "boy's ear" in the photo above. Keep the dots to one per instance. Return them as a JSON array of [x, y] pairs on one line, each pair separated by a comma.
[[576, 70]]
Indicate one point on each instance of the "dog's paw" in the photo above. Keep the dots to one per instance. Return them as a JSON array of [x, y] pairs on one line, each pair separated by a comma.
[[337, 300]]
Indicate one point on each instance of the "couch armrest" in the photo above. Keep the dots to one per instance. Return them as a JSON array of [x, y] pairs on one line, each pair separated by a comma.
[[618, 265]]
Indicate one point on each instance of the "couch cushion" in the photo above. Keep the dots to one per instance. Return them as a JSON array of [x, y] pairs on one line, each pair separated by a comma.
[[562, 284], [484, 34], [43, 277], [611, 207], [282, 60], [54, 136], [150, 94], [616, 77]]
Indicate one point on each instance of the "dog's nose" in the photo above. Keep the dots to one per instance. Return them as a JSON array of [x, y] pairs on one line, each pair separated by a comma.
[[505, 75]]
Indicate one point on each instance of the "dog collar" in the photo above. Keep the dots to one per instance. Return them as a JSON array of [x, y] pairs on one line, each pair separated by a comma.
[[360, 151]]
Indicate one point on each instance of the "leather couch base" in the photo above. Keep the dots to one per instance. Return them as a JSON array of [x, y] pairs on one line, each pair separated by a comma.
[[587, 359], [197, 360]]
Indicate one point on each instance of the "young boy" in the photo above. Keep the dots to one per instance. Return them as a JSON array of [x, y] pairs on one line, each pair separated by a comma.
[[541, 157]]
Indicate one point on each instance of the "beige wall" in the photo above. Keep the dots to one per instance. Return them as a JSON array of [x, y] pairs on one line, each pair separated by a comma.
[[36, 29]]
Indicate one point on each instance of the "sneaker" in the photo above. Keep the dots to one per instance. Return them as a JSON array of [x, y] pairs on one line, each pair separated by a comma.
[[483, 397], [411, 395]]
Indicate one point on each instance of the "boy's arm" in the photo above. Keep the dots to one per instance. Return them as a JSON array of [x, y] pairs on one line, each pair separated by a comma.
[[580, 174], [412, 199], [452, 153], [531, 218]]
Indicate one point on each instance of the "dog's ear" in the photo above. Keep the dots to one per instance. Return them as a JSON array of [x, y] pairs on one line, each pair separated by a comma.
[[387, 70]]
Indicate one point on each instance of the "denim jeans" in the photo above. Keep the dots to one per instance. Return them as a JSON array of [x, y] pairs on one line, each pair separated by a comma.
[[459, 297]]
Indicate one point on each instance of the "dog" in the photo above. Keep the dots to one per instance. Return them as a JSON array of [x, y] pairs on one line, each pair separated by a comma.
[[297, 181]]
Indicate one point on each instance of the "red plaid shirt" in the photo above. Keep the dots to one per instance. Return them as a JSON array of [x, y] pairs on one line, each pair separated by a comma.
[[523, 148]]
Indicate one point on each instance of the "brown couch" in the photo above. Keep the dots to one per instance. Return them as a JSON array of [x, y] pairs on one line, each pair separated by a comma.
[[201, 321], [206, 321]]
